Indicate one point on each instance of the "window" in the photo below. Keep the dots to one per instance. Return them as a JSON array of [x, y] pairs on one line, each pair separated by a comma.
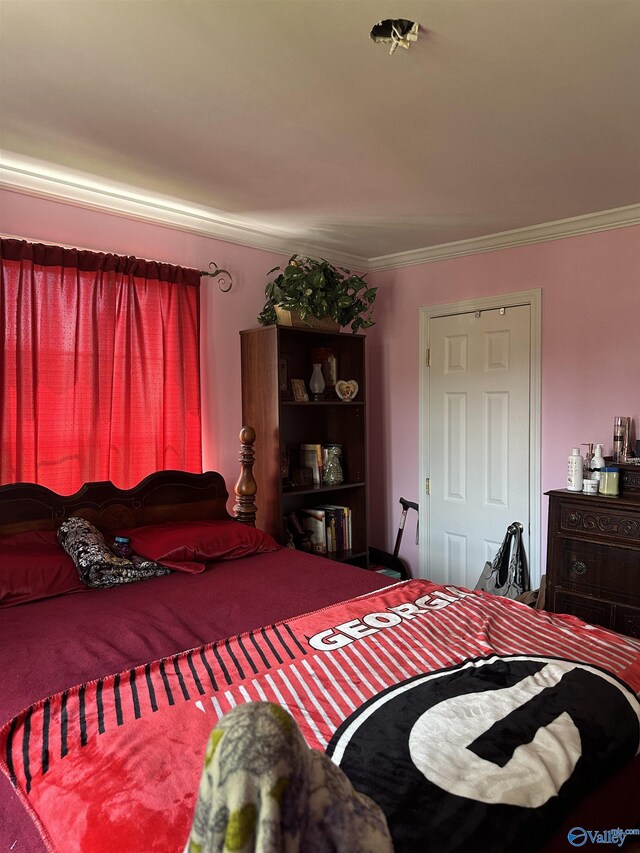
[[99, 372]]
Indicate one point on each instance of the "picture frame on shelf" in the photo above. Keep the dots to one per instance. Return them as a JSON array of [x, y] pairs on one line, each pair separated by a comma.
[[311, 457], [301, 477], [299, 390]]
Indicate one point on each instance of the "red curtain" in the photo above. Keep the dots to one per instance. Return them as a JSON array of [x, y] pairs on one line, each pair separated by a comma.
[[99, 373]]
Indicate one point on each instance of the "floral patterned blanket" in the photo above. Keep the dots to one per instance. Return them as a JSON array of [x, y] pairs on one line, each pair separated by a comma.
[[263, 790]]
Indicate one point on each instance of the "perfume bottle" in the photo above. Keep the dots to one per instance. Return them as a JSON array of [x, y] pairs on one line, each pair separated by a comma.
[[621, 438]]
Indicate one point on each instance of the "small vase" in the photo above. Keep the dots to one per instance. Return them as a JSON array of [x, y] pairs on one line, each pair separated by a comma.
[[332, 473], [316, 383], [329, 360]]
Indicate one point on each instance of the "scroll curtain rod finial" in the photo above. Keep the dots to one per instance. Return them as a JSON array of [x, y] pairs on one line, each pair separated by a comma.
[[225, 279]]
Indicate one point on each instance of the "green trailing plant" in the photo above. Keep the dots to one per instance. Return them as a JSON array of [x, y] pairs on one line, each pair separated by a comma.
[[314, 287]]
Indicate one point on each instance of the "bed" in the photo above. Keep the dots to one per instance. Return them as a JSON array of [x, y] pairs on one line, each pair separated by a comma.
[[107, 696]]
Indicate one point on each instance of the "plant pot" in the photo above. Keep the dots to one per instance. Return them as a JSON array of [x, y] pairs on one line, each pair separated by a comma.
[[293, 319]]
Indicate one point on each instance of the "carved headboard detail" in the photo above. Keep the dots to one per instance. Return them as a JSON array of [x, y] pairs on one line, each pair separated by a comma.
[[163, 496]]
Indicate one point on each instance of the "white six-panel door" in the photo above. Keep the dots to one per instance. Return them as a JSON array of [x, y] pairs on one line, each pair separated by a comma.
[[478, 431]]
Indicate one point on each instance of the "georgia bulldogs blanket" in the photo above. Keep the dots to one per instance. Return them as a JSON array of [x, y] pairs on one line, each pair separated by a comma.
[[470, 719]]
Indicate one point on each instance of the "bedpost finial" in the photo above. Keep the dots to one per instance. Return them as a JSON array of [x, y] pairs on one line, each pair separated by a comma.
[[245, 491], [247, 435]]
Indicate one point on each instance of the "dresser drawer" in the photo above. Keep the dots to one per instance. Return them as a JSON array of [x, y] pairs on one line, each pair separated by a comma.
[[616, 521], [626, 620], [598, 570], [590, 610], [593, 558]]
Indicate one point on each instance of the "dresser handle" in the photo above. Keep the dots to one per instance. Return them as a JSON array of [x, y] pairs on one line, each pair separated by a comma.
[[578, 568]]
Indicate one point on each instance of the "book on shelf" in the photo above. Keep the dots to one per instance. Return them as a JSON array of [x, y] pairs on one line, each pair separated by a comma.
[[311, 457], [314, 522], [337, 527], [293, 523], [334, 527]]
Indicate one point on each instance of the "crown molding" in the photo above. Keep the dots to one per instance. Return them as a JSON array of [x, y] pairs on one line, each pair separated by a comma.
[[604, 220], [42, 180]]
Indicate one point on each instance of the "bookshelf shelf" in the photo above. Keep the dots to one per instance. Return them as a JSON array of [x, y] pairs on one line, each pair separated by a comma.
[[271, 357], [318, 490], [339, 403], [347, 556]]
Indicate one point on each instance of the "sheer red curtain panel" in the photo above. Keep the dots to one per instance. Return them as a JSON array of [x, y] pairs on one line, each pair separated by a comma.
[[99, 372]]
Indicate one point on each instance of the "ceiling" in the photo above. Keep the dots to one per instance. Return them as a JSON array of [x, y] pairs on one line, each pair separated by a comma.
[[282, 121]]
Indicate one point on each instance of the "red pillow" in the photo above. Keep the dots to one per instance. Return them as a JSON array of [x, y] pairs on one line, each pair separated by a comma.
[[188, 545], [33, 566]]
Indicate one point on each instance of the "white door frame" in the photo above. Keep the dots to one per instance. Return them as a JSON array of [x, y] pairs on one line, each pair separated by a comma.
[[533, 298]]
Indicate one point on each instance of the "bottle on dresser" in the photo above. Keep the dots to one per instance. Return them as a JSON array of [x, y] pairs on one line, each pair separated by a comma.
[[586, 464], [597, 463], [574, 471], [621, 427]]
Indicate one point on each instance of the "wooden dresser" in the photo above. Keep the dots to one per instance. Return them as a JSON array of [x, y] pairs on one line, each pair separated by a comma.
[[593, 559]]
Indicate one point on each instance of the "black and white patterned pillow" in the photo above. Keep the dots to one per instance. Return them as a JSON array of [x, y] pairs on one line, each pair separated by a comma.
[[96, 563]]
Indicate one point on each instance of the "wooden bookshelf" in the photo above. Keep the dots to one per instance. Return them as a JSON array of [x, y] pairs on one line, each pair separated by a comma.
[[271, 357]]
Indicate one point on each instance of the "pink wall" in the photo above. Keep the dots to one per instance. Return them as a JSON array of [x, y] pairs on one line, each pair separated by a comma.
[[222, 314], [590, 359], [590, 366]]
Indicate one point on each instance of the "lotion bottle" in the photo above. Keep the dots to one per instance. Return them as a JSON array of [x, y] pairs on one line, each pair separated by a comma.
[[574, 471], [597, 463]]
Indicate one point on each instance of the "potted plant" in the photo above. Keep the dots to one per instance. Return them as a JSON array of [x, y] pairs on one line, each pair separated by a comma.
[[312, 292]]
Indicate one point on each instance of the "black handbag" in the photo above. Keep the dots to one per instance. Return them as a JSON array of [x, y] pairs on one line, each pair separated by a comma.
[[508, 573]]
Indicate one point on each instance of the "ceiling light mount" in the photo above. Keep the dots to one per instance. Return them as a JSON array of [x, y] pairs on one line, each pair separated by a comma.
[[398, 32]]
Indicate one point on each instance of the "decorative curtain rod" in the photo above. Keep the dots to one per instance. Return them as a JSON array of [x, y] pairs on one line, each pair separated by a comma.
[[224, 277], [76, 248]]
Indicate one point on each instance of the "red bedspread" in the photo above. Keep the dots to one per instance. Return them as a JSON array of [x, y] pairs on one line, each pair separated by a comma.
[[458, 712], [50, 645]]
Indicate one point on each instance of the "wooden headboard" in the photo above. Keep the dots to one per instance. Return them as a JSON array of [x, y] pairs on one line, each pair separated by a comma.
[[163, 496]]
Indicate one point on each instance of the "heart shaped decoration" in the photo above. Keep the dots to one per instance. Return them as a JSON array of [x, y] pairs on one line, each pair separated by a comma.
[[346, 389]]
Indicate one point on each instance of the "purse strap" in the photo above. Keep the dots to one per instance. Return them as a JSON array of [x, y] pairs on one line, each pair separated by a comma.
[[520, 560], [502, 560]]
